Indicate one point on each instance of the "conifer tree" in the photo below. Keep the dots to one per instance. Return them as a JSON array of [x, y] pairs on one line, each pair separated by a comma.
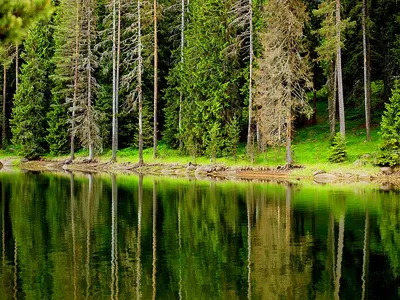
[[284, 73], [66, 57], [31, 99]]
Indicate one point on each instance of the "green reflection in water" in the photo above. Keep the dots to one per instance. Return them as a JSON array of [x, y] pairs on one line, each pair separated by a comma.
[[72, 236]]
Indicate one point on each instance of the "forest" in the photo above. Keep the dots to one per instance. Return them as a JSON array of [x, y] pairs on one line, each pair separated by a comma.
[[205, 77]]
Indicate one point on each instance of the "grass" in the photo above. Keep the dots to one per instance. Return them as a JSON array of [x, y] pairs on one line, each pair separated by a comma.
[[311, 148]]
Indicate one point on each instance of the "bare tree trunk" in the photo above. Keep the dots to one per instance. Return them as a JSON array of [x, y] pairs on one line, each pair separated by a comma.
[[182, 60], [72, 153], [89, 82], [114, 83], [155, 80], [16, 67], [3, 137], [339, 72], [250, 146], [332, 101], [367, 71], [140, 96]]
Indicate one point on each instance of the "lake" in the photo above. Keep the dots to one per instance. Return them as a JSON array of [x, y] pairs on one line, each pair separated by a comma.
[[81, 236]]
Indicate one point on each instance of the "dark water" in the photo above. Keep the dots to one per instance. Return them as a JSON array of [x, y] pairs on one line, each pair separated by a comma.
[[102, 237]]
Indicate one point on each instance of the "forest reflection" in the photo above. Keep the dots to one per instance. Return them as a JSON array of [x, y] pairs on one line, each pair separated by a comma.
[[124, 237]]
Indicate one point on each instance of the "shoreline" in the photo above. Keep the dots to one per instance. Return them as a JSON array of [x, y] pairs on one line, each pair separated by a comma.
[[213, 172]]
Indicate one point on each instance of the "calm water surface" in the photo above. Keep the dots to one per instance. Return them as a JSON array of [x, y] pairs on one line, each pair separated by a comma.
[[124, 237]]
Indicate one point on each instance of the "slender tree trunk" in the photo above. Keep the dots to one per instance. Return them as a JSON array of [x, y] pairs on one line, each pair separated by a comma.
[[74, 100], [250, 147], [16, 67], [155, 80], [339, 72], [367, 71], [140, 96], [3, 137], [182, 60], [89, 82], [332, 100], [114, 83]]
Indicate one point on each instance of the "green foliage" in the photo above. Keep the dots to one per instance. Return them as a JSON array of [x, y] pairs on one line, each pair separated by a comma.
[[233, 138], [18, 15], [390, 131], [31, 100], [338, 152]]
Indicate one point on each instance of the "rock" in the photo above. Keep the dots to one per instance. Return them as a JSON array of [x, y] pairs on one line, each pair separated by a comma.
[[24, 160], [366, 156], [219, 169], [68, 161], [325, 178], [364, 177], [319, 172], [387, 170], [191, 168], [203, 170]]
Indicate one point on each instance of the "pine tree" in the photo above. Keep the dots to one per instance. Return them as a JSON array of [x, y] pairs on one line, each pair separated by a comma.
[[390, 131], [65, 78], [215, 79], [31, 99], [338, 149], [284, 72]]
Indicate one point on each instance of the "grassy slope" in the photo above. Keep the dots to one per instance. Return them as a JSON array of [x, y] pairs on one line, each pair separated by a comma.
[[311, 148]]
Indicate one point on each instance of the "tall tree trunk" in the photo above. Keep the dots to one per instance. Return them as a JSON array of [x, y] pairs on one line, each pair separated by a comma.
[[339, 72], [250, 146], [89, 82], [16, 67], [332, 100], [155, 80], [140, 96], [367, 71], [182, 60], [74, 100], [114, 145], [3, 137]]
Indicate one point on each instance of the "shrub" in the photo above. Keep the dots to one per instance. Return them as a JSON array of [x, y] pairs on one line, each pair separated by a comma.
[[338, 152]]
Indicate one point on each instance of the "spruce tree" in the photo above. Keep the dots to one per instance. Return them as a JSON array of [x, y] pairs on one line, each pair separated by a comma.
[[32, 97], [390, 131], [66, 38]]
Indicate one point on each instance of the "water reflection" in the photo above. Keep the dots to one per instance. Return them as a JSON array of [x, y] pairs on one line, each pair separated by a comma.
[[120, 237]]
